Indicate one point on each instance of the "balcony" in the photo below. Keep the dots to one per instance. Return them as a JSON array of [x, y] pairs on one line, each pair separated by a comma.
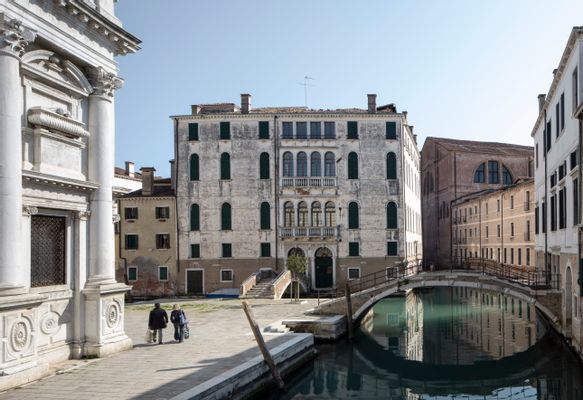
[[309, 232], [309, 181]]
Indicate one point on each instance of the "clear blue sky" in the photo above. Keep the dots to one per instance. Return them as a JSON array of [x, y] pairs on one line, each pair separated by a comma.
[[465, 69]]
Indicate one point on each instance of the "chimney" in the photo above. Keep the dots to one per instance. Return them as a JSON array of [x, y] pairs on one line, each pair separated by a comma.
[[372, 103], [245, 103], [411, 128], [415, 138], [172, 176], [147, 180], [541, 102], [130, 169], [195, 109]]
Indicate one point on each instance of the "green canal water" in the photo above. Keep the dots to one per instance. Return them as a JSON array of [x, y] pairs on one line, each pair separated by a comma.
[[444, 343]]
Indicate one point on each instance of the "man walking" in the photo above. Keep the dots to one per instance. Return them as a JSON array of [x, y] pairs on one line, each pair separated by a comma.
[[158, 321]]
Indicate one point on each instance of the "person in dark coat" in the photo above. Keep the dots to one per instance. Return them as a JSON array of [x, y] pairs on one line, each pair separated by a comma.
[[158, 321], [179, 320]]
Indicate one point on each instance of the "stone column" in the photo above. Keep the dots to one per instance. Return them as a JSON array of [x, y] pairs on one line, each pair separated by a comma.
[[13, 40], [101, 170]]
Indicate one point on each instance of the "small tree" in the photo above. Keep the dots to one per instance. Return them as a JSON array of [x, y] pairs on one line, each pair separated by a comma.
[[297, 265]]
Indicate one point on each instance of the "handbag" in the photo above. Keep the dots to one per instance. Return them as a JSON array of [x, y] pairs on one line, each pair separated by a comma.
[[182, 318], [186, 332], [149, 336]]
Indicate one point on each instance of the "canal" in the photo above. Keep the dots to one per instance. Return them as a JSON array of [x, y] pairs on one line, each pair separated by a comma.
[[444, 343]]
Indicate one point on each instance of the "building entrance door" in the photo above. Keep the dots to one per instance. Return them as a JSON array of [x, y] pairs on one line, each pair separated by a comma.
[[194, 279], [324, 268]]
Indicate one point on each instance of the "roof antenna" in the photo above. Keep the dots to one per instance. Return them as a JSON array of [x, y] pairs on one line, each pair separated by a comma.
[[305, 84]]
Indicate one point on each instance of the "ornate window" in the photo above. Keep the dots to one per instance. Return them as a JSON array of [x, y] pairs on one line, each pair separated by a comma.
[[264, 166], [302, 164], [288, 164], [316, 214], [194, 169], [330, 214], [225, 166], [226, 217], [480, 174], [353, 220], [315, 164], [302, 214], [329, 164], [352, 165], [391, 166], [288, 214], [391, 215], [47, 247]]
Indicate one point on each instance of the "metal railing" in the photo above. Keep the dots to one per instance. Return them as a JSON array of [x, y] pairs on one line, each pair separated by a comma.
[[380, 277], [309, 181], [309, 231]]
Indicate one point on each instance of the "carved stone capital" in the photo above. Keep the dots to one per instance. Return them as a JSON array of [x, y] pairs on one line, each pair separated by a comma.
[[104, 83], [29, 210], [116, 218], [82, 215], [14, 37]]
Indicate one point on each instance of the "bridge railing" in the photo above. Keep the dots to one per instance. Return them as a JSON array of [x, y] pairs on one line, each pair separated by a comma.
[[376, 278], [530, 277]]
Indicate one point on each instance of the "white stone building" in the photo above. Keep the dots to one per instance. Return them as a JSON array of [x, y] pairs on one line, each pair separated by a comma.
[[58, 294], [557, 134], [340, 187]]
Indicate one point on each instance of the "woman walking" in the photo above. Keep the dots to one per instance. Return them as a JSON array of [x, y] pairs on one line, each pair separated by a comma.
[[179, 320]]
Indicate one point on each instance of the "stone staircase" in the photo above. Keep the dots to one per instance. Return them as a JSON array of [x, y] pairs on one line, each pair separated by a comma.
[[263, 289]]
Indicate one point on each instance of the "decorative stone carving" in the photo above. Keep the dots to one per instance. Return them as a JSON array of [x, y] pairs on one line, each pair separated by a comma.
[[20, 337], [104, 83], [30, 210], [53, 121], [14, 37], [49, 323], [116, 218], [112, 314], [83, 215]]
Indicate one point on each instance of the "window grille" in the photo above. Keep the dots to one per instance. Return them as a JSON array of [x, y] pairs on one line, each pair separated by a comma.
[[47, 251]]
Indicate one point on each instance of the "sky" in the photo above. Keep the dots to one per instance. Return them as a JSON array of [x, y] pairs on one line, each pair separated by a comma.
[[465, 69]]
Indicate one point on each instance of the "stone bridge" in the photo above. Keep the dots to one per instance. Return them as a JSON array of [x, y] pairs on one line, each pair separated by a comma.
[[547, 301]]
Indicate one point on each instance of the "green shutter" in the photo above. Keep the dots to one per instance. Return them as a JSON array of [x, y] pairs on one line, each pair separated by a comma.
[[391, 166], [132, 274], [391, 130], [225, 130], [265, 249], [391, 248], [353, 249], [194, 168], [263, 129], [352, 166], [352, 128], [163, 274], [353, 216], [264, 166], [227, 251], [193, 131], [265, 216], [131, 242], [194, 217], [195, 250], [391, 216], [226, 217], [225, 166]]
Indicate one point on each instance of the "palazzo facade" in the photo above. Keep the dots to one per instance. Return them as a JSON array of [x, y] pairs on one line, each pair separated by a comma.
[[58, 295], [340, 187]]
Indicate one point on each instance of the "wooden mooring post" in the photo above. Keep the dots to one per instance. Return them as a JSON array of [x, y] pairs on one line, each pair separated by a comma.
[[349, 321], [261, 343]]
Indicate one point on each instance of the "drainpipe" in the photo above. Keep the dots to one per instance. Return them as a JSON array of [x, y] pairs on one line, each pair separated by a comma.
[[546, 260], [176, 178], [580, 230], [276, 189], [403, 203]]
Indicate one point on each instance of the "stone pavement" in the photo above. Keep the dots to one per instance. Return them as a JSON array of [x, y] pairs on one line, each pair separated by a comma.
[[220, 340]]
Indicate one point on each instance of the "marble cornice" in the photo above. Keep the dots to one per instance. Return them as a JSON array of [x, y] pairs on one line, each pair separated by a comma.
[[41, 117], [58, 181], [124, 41]]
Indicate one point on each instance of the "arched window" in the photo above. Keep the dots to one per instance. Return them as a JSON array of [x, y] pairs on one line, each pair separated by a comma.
[[391, 166], [264, 166], [265, 217], [493, 173], [302, 214], [194, 217], [316, 214], [480, 174], [315, 164], [506, 176], [226, 217], [352, 166], [194, 169], [330, 214], [288, 164], [302, 167], [329, 164], [353, 220], [296, 251], [288, 214], [225, 166], [391, 215]]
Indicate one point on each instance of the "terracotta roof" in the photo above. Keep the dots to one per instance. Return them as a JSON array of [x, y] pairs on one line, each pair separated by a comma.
[[472, 146]]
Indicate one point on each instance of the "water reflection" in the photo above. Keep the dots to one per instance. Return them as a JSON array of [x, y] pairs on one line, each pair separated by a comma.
[[445, 344]]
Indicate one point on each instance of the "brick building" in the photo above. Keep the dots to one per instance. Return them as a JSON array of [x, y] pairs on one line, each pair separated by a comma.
[[340, 187], [452, 168]]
